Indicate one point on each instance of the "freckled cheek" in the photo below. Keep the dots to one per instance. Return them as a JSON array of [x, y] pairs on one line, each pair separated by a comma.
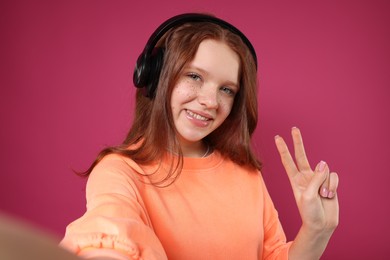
[[186, 90], [225, 105]]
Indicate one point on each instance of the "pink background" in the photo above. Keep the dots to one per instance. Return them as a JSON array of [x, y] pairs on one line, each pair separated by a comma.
[[66, 92]]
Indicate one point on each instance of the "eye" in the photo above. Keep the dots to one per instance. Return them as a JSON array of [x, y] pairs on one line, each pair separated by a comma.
[[194, 76], [228, 91]]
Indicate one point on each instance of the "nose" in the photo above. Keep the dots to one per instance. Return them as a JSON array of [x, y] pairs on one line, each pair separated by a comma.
[[208, 97]]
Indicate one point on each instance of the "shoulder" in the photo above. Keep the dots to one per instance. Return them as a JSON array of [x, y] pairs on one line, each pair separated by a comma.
[[252, 177], [113, 173], [231, 165], [116, 163], [240, 174]]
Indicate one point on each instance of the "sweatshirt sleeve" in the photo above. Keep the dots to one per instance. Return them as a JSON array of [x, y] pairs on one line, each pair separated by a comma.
[[115, 223], [275, 245]]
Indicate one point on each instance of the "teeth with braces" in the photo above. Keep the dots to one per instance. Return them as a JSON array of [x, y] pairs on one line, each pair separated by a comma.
[[196, 116]]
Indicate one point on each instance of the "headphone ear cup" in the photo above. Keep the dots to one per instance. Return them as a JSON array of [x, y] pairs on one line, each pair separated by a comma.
[[141, 71], [147, 71], [156, 64]]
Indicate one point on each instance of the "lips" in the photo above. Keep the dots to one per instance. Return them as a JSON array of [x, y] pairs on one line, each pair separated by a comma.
[[197, 119], [197, 116]]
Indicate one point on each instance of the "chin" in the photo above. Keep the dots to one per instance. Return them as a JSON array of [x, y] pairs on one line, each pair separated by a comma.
[[188, 138]]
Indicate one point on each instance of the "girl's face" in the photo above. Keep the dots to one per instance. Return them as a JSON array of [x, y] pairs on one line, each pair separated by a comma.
[[204, 94]]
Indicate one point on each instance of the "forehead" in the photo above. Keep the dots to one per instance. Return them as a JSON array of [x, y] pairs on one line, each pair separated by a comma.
[[217, 58]]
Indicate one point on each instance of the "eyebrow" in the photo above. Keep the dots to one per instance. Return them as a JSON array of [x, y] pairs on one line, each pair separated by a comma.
[[227, 82]]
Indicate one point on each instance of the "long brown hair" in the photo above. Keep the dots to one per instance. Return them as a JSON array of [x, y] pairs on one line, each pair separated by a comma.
[[153, 128]]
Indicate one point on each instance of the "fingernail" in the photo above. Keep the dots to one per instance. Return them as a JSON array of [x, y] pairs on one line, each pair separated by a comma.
[[324, 192], [276, 137], [321, 166], [330, 194]]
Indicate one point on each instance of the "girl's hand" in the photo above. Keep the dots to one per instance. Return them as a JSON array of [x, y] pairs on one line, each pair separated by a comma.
[[314, 191]]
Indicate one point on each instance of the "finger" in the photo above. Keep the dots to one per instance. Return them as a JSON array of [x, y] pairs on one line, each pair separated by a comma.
[[300, 154], [286, 157], [323, 167], [333, 184], [319, 179]]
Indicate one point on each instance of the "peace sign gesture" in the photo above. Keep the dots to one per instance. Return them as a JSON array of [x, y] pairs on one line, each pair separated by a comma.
[[314, 192]]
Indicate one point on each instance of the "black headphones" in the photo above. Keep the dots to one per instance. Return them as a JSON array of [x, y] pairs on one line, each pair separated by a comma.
[[150, 61]]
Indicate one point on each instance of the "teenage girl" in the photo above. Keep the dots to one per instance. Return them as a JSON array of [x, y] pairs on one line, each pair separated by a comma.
[[185, 183]]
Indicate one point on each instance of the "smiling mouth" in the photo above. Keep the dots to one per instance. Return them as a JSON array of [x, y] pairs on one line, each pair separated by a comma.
[[196, 116]]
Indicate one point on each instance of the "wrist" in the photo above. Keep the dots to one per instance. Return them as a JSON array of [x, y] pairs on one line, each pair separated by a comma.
[[316, 232], [309, 243]]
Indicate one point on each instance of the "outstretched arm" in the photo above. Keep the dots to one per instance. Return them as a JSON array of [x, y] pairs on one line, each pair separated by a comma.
[[316, 198]]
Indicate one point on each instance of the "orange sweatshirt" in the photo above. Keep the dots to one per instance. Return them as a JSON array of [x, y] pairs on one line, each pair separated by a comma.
[[214, 210]]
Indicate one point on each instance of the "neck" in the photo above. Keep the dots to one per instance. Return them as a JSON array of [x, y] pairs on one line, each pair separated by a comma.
[[200, 149]]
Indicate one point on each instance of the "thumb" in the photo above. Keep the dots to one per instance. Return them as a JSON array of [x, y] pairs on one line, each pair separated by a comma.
[[320, 176]]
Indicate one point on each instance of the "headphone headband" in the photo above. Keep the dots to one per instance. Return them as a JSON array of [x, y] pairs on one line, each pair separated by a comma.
[[150, 61], [193, 18]]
